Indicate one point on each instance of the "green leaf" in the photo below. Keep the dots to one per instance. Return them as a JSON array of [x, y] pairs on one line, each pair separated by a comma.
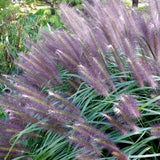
[[149, 102]]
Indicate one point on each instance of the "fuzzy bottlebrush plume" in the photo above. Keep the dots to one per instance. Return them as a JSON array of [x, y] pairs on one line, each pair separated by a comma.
[[65, 104], [131, 26], [13, 139], [100, 29], [82, 49], [7, 130], [39, 69], [129, 105], [86, 157], [151, 30], [64, 48], [155, 131], [97, 83], [126, 110], [86, 136], [139, 66], [147, 39], [106, 17], [71, 58], [4, 148], [91, 38], [96, 74], [115, 123], [8, 148], [93, 44], [90, 138], [28, 105]]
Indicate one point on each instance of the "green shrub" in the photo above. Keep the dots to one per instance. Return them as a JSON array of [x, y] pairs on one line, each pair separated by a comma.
[[16, 27]]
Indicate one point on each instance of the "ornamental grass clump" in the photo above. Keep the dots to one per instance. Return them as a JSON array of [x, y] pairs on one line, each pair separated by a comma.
[[100, 72], [32, 107]]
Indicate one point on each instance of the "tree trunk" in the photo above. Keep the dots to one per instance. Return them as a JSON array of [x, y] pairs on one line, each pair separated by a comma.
[[134, 3]]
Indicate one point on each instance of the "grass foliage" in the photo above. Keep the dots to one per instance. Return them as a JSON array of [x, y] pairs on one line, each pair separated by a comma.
[[89, 92]]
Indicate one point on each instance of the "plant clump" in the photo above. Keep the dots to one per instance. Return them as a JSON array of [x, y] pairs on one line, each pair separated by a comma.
[[109, 59]]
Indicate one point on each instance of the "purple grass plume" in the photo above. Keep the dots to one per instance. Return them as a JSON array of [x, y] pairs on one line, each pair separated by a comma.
[[155, 130], [88, 137], [126, 111]]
